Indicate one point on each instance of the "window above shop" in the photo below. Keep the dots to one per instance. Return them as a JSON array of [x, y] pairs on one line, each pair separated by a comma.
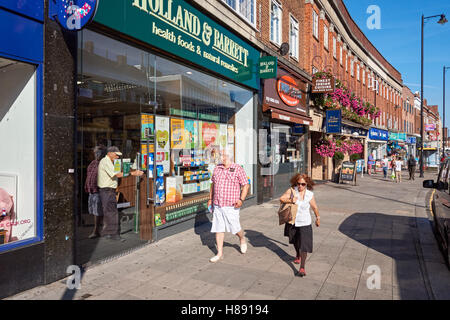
[[293, 39], [325, 37], [315, 19], [244, 8], [275, 22]]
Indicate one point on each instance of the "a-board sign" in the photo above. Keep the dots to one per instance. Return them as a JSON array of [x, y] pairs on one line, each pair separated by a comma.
[[348, 171]]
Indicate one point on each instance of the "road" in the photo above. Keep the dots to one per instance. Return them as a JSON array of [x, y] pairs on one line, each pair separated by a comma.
[[376, 223]]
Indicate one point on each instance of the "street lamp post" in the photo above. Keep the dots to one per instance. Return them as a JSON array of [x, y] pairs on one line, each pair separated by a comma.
[[444, 138], [442, 20]]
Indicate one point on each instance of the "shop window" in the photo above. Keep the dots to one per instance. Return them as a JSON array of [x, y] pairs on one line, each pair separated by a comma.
[[245, 8], [275, 22], [139, 102], [18, 200]]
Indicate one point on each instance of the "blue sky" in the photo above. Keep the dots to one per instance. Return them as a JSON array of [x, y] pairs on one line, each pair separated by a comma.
[[398, 41]]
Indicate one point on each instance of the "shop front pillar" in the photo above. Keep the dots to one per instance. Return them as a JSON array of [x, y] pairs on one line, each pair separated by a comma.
[[59, 149]]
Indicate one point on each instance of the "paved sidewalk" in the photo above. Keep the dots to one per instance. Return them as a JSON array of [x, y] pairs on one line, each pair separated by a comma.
[[376, 223]]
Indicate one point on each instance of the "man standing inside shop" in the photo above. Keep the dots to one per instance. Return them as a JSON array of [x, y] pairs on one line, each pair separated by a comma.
[[107, 184], [228, 191]]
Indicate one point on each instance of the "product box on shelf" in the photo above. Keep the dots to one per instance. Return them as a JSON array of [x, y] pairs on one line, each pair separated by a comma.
[[174, 189]]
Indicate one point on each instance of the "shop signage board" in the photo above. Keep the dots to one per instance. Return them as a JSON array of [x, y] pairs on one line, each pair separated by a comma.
[[73, 15], [397, 136], [267, 67], [180, 29], [333, 121], [348, 172], [346, 129], [430, 127], [324, 85], [378, 134], [411, 140], [286, 92]]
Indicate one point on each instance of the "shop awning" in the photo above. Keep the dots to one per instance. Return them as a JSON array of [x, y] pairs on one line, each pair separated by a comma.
[[289, 117]]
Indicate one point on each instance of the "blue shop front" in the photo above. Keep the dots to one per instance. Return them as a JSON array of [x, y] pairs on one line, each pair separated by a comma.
[[21, 136]]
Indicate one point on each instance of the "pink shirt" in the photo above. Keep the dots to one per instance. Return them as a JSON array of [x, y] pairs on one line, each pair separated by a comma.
[[227, 184]]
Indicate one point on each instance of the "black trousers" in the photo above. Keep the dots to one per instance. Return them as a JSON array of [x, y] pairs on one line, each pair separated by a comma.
[[110, 213]]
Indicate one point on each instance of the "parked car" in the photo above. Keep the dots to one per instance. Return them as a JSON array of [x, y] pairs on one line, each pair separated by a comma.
[[441, 207]]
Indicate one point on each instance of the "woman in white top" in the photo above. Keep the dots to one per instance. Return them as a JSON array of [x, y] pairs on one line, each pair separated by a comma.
[[398, 170], [299, 229]]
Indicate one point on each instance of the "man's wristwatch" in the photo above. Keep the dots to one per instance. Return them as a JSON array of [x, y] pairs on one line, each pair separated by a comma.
[[241, 200]]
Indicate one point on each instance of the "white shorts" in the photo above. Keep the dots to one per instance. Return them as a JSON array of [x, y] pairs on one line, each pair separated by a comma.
[[226, 219]]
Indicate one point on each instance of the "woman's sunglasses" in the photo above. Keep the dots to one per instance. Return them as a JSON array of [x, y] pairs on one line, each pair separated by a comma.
[[301, 184]]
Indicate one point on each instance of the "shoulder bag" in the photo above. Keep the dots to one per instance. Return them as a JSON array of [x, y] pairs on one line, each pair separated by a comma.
[[287, 211]]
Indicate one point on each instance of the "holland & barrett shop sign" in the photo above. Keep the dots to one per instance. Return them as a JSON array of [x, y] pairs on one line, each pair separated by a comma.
[[179, 28]]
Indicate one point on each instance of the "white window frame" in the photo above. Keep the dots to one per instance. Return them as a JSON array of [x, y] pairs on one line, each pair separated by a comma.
[[314, 70], [280, 22], [237, 10], [325, 36], [334, 47], [341, 59], [358, 70], [294, 23], [352, 67], [364, 77], [315, 18]]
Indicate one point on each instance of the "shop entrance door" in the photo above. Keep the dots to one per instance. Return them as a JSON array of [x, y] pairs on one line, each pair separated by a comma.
[[282, 154]]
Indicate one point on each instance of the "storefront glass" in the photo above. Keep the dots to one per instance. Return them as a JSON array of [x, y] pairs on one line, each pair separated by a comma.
[[283, 154], [18, 203], [140, 102]]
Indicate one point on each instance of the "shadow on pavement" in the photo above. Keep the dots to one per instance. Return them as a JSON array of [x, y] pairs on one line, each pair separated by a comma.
[[202, 228], [340, 187], [258, 239], [395, 237]]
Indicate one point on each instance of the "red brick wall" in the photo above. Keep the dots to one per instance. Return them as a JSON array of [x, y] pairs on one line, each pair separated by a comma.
[[289, 8]]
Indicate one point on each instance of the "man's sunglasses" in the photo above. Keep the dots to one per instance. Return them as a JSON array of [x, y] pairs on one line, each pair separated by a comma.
[[301, 184]]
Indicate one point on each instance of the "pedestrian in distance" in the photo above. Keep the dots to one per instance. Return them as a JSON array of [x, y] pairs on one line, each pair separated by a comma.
[[398, 170], [412, 163], [299, 229], [91, 187], [385, 166], [370, 163], [393, 171], [107, 182], [228, 191]]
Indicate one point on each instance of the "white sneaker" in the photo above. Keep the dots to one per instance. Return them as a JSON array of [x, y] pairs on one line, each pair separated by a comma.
[[244, 247], [215, 259]]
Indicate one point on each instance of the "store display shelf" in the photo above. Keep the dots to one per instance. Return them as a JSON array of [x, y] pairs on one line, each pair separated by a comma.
[[189, 167], [179, 220], [196, 180]]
